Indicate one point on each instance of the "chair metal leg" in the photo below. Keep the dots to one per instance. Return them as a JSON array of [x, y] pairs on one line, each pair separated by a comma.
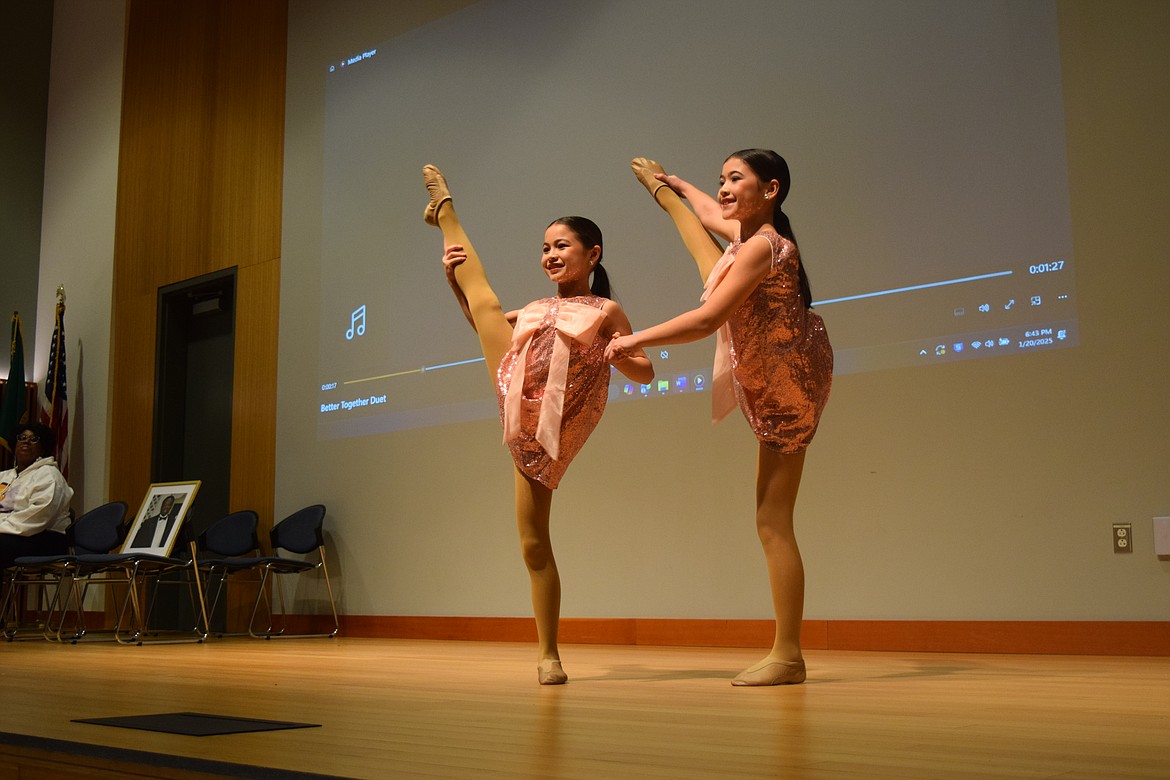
[[281, 634], [199, 633], [78, 594], [14, 606]]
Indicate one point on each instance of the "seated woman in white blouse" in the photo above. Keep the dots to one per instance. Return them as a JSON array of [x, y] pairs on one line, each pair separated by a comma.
[[34, 498]]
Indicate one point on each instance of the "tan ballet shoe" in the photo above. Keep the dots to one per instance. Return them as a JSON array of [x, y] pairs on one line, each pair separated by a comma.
[[437, 189], [549, 672], [645, 168], [772, 673]]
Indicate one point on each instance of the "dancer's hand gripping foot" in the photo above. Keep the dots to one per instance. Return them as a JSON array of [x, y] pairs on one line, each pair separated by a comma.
[[652, 175]]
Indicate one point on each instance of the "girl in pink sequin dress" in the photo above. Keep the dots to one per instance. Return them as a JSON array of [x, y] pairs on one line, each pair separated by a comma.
[[773, 356], [547, 363]]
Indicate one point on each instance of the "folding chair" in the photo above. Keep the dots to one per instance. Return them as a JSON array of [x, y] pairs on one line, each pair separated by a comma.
[[225, 540], [139, 571], [300, 533], [97, 531]]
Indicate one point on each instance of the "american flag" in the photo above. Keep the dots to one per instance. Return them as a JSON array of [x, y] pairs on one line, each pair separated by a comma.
[[54, 404]]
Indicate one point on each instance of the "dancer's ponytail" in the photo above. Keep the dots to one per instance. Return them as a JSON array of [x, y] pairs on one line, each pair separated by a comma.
[[600, 285], [784, 228]]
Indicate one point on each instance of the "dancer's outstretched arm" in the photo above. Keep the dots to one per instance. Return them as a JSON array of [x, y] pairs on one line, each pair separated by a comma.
[[668, 192], [634, 364], [706, 207], [751, 265]]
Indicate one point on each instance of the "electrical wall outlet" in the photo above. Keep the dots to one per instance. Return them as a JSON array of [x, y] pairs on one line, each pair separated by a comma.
[[1122, 538]]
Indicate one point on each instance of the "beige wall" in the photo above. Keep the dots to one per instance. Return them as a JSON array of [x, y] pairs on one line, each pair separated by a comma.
[[77, 236]]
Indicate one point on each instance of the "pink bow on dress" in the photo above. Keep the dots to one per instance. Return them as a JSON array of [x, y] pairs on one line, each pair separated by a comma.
[[722, 390], [574, 322]]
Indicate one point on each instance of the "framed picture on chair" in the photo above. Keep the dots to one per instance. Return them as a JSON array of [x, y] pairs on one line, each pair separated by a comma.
[[157, 524]]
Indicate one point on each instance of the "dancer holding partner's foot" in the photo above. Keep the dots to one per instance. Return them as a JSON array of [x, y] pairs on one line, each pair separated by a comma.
[[773, 355], [547, 363]]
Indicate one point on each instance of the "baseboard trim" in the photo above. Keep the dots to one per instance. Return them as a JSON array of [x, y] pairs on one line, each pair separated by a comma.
[[1057, 637]]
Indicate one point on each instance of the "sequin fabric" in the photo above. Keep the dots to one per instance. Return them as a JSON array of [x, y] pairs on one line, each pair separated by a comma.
[[781, 359], [586, 391]]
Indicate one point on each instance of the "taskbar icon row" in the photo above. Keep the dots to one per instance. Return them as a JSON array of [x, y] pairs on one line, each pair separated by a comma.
[[1018, 339], [670, 384]]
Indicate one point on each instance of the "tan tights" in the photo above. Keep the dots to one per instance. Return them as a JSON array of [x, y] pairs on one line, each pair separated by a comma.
[[493, 328], [533, 506], [777, 481], [533, 500], [777, 475]]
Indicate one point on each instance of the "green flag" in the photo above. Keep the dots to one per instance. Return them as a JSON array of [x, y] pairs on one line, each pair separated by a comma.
[[12, 407]]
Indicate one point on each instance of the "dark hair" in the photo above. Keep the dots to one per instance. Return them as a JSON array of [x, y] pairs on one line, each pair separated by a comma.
[[48, 440], [768, 165], [589, 234]]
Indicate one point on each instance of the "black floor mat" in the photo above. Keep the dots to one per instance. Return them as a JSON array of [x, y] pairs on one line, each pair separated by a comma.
[[196, 724]]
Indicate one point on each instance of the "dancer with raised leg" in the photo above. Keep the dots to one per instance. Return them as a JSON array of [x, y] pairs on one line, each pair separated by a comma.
[[773, 355], [547, 363]]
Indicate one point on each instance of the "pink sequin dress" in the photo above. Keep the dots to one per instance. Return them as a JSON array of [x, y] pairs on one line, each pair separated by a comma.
[[552, 384], [778, 360]]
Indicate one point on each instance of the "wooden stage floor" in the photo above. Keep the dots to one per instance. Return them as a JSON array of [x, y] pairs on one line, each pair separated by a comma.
[[449, 709]]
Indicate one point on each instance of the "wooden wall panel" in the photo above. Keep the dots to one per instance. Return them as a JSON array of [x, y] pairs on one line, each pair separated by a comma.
[[199, 190], [254, 400], [248, 134]]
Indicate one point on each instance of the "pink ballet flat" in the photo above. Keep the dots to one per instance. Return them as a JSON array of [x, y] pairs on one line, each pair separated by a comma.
[[549, 672], [773, 673], [439, 192], [645, 168]]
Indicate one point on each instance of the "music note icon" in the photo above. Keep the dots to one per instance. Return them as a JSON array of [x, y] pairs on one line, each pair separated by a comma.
[[356, 320]]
